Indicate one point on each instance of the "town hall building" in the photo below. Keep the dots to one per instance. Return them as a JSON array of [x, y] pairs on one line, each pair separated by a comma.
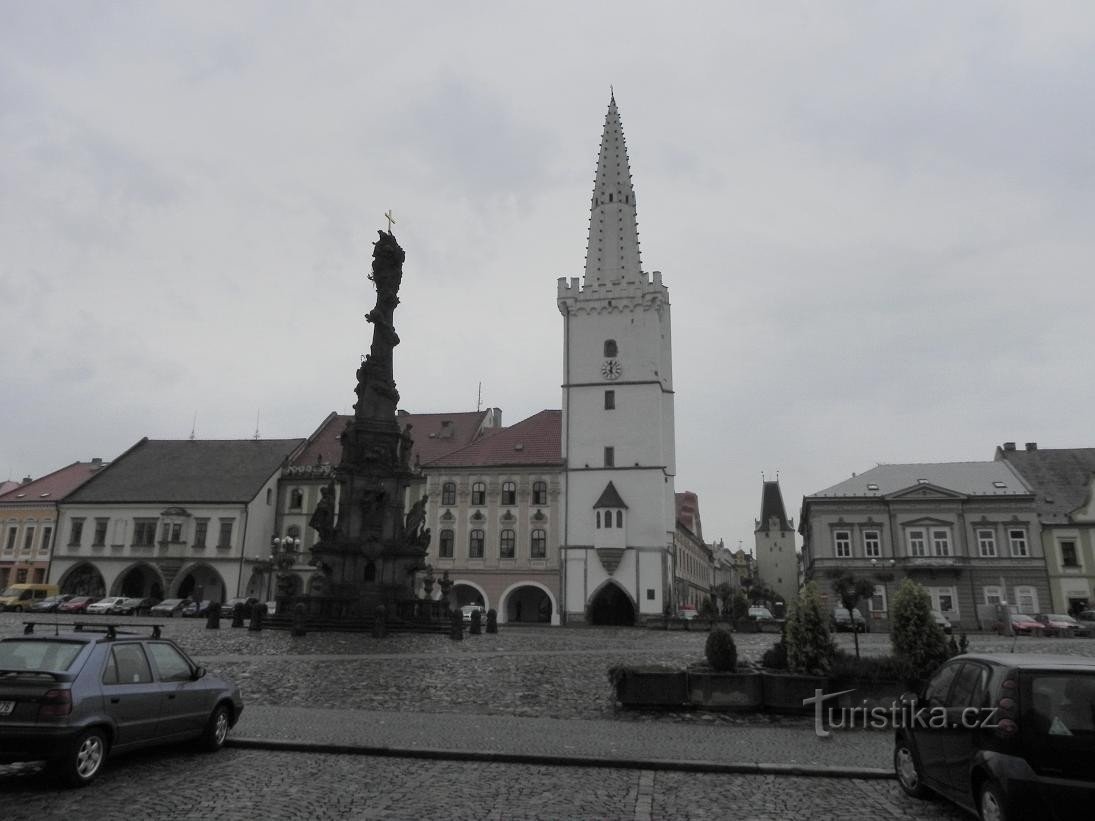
[[617, 421]]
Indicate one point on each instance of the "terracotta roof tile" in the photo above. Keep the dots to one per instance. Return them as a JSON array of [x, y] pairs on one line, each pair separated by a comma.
[[53, 486], [533, 441]]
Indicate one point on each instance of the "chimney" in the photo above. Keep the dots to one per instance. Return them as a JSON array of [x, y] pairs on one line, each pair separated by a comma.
[[1009, 446], [1032, 446], [96, 460], [26, 480]]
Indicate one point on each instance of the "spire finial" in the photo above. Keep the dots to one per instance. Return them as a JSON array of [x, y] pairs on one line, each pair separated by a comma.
[[611, 93]]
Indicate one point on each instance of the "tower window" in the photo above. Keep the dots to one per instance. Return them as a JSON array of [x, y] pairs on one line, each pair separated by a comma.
[[610, 457], [610, 348], [296, 499], [610, 196], [598, 520], [610, 400], [608, 519], [619, 518]]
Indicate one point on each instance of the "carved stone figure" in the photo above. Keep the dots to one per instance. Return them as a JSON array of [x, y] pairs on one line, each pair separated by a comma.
[[406, 446], [323, 518], [415, 517]]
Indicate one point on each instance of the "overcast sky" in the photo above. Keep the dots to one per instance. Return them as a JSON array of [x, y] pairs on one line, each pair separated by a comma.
[[875, 220]]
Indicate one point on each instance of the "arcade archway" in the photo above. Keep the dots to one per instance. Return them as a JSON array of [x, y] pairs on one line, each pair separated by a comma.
[[527, 604], [201, 583], [467, 593], [83, 580], [138, 582], [611, 606]]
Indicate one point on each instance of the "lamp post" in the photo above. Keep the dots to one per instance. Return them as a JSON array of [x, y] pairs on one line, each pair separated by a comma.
[[282, 559]]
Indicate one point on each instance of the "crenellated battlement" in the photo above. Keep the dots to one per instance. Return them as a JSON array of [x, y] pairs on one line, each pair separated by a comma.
[[571, 291]]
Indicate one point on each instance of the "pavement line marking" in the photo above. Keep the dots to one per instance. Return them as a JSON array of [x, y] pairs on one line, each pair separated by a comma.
[[644, 802]]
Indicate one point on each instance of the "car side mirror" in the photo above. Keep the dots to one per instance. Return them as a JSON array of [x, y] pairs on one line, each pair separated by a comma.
[[199, 672]]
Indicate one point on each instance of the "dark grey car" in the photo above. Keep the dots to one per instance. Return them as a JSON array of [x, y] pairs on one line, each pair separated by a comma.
[[72, 698]]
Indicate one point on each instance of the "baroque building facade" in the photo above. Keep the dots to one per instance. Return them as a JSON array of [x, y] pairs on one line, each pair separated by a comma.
[[966, 531], [617, 417]]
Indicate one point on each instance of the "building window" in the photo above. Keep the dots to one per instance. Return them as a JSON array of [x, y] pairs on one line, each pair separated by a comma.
[[144, 532], [608, 518], [539, 493], [992, 594], [1027, 600], [944, 599], [619, 518], [507, 544], [20, 575], [1018, 541], [99, 537], [878, 599], [842, 543], [9, 543], [444, 545], [611, 350], [610, 400], [296, 499], [225, 538], [448, 493], [917, 543], [475, 544], [28, 539], [598, 520], [941, 542], [986, 543], [201, 529], [171, 532], [76, 532], [478, 494], [872, 545], [539, 544], [47, 537], [509, 493], [610, 457], [1068, 554]]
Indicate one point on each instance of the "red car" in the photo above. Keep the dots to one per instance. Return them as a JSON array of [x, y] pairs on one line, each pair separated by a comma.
[[77, 605], [1021, 625]]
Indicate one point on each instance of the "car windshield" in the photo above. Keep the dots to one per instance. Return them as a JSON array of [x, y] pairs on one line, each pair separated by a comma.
[[1059, 617], [38, 654], [170, 603], [1021, 617], [11, 591]]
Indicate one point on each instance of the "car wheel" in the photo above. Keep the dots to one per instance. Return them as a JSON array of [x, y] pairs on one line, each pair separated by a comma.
[[216, 731], [907, 769], [992, 804], [83, 760]]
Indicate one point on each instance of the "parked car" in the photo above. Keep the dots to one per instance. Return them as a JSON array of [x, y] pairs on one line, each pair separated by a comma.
[[1086, 618], [74, 698], [104, 606], [839, 620], [50, 604], [1059, 624], [759, 613], [687, 611], [169, 608], [196, 609], [135, 607], [943, 622], [229, 607], [468, 609], [1018, 740], [77, 604], [1021, 625], [21, 595]]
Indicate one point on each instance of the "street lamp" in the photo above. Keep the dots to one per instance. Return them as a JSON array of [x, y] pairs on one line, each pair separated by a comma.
[[282, 559]]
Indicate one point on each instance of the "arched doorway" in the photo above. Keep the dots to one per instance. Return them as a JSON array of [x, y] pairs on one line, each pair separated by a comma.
[[528, 604], [83, 580], [466, 594], [611, 605], [138, 582], [201, 583]]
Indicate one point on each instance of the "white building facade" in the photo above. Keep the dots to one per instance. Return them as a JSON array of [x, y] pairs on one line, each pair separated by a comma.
[[617, 423]]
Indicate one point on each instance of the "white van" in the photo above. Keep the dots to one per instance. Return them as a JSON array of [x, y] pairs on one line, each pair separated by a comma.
[[21, 596]]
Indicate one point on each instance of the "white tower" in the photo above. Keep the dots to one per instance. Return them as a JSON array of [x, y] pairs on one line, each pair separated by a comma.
[[617, 413]]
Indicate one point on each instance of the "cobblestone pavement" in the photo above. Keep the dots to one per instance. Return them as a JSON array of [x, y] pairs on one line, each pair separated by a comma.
[[521, 671], [245, 785]]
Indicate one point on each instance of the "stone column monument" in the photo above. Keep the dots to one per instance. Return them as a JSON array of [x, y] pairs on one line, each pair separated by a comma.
[[369, 552]]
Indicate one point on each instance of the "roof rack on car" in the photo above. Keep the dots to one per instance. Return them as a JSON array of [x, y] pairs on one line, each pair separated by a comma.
[[111, 630]]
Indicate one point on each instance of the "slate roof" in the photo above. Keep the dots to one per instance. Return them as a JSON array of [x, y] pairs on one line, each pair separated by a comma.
[[53, 486], [969, 478], [532, 441], [610, 497], [1059, 476], [433, 438], [189, 471], [771, 504]]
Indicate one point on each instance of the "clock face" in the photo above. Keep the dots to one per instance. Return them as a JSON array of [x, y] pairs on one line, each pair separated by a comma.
[[611, 369]]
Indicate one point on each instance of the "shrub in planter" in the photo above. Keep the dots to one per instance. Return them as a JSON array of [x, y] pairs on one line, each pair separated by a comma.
[[916, 637], [721, 652], [810, 647]]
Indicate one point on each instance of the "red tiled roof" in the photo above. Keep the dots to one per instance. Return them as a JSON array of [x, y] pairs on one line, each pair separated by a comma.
[[533, 441], [5, 486], [53, 486], [433, 438], [688, 510]]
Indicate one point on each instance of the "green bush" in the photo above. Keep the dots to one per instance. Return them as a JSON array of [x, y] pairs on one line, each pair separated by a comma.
[[916, 638], [810, 648], [721, 652]]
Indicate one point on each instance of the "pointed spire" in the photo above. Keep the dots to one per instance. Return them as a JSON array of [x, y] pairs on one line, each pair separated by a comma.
[[613, 251]]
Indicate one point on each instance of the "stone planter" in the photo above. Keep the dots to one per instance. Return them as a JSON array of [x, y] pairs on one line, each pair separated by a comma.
[[869, 693], [784, 692], [638, 687], [725, 691]]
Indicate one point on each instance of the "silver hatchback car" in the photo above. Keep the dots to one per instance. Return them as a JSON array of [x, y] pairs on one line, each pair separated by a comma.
[[72, 698]]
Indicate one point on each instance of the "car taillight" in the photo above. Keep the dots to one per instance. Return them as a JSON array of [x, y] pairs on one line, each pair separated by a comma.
[[55, 704], [1006, 725]]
